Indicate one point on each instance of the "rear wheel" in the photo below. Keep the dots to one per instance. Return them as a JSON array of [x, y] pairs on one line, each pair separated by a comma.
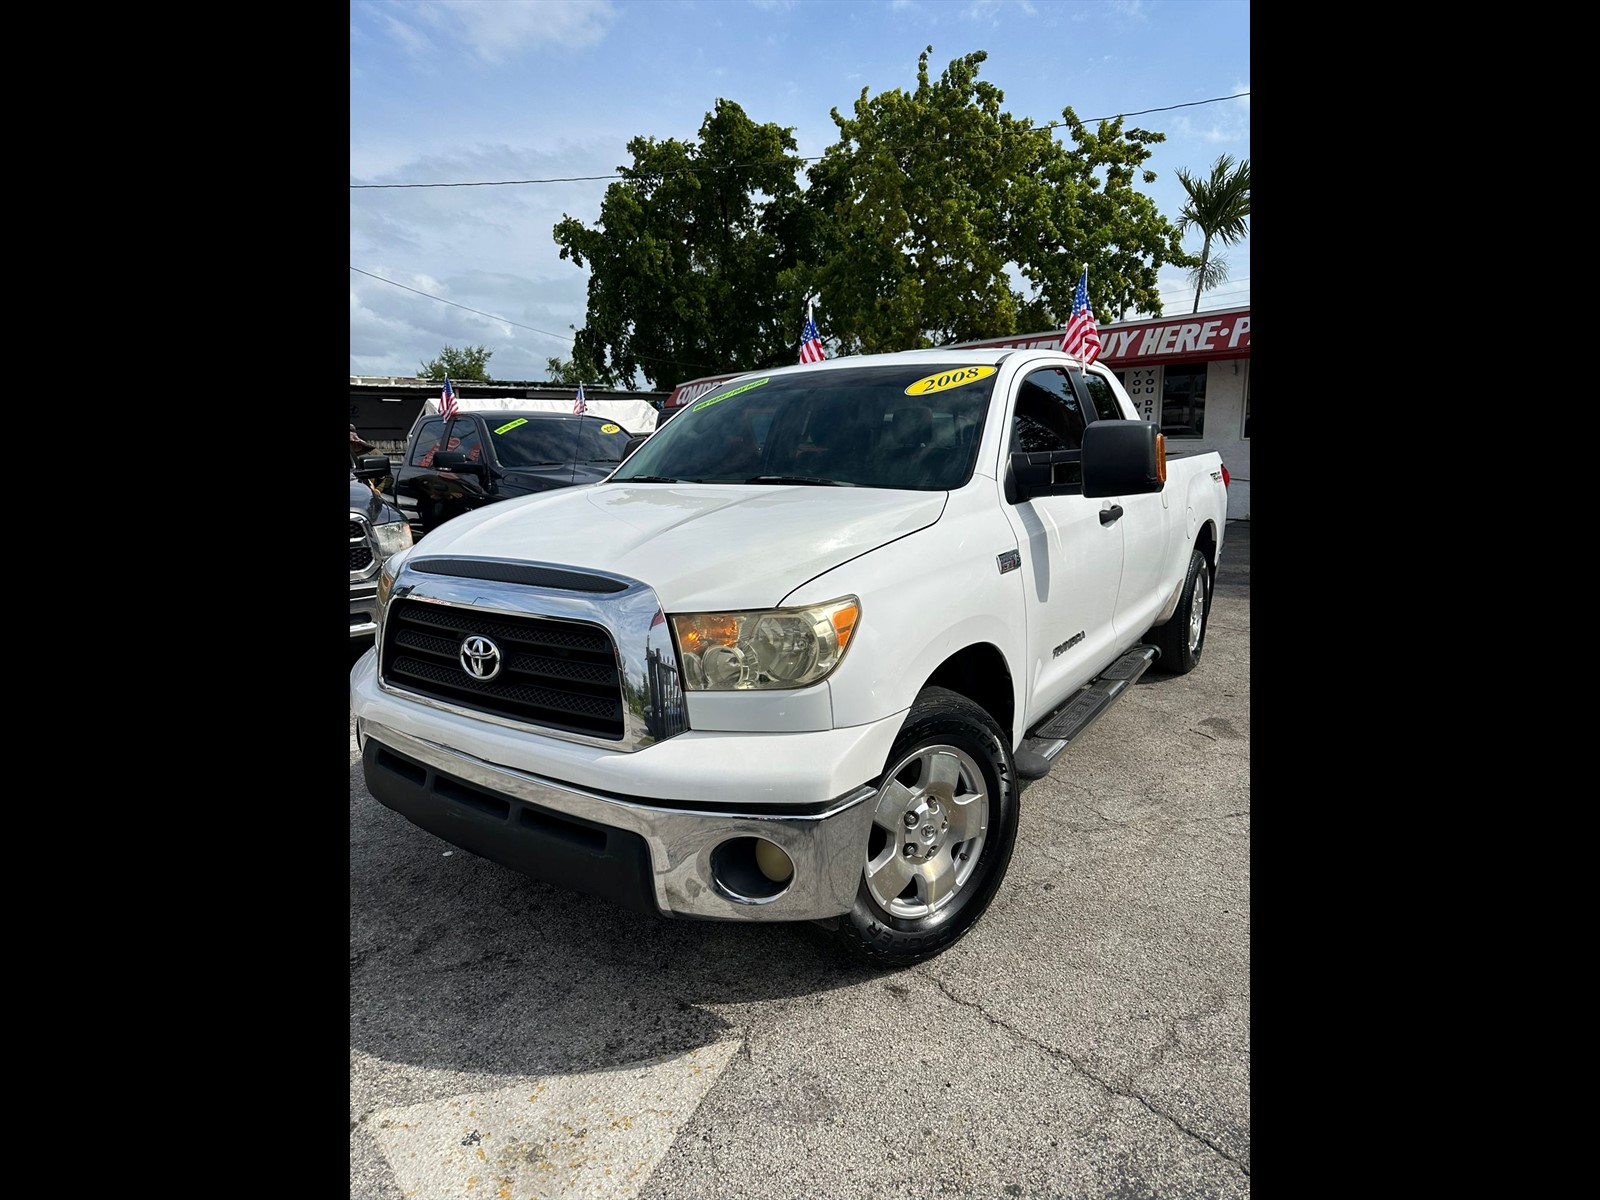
[[1182, 638], [943, 826]]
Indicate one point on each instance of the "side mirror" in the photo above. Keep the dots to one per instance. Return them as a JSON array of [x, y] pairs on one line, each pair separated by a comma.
[[372, 467], [1123, 458], [633, 444]]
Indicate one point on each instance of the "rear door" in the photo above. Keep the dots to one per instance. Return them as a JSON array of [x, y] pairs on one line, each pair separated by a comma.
[[1147, 530]]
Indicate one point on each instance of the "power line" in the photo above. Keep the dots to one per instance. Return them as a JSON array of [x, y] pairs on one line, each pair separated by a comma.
[[1232, 285], [669, 362], [764, 162], [453, 304]]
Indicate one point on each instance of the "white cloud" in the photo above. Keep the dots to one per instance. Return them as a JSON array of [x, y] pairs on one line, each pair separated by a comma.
[[499, 31]]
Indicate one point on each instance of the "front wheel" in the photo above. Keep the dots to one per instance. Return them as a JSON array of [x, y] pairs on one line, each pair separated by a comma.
[[1182, 638], [943, 825]]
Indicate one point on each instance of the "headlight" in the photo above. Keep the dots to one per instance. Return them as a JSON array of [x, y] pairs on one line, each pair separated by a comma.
[[391, 538], [389, 572], [767, 648]]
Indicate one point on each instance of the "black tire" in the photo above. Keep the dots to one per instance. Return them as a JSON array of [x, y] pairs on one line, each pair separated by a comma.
[[1182, 638], [951, 768]]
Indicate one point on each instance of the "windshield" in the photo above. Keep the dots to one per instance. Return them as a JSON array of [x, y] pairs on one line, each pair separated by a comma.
[[912, 426], [532, 442]]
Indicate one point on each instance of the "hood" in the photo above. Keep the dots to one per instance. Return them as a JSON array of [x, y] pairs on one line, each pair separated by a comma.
[[697, 545], [376, 506]]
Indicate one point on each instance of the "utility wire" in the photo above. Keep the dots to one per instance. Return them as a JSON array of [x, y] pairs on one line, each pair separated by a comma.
[[1232, 285], [453, 304], [1182, 294], [668, 362], [768, 161]]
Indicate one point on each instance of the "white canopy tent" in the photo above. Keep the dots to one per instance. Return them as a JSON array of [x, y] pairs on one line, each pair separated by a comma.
[[636, 416]]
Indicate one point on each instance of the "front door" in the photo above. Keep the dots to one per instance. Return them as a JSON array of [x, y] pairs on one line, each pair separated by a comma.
[[1071, 561]]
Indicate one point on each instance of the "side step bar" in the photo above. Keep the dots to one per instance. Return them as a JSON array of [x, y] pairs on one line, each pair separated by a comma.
[[1052, 735]]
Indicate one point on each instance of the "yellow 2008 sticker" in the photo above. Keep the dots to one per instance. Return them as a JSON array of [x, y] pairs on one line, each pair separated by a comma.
[[509, 425], [953, 378], [611, 429]]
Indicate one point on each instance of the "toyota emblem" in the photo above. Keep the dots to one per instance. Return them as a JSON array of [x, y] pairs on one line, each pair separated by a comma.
[[480, 658]]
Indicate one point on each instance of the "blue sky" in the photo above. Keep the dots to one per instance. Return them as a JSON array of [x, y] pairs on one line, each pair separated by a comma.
[[483, 91]]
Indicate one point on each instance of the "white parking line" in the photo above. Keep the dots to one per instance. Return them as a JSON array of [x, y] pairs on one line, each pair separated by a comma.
[[556, 1137]]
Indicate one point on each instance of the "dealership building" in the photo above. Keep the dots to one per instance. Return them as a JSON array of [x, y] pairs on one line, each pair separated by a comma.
[[1189, 374]]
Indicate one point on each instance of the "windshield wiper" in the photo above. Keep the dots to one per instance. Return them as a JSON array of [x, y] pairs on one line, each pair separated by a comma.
[[812, 479], [649, 479]]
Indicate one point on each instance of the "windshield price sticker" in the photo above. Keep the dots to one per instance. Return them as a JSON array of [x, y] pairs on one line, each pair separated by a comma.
[[510, 425], [611, 429], [945, 380]]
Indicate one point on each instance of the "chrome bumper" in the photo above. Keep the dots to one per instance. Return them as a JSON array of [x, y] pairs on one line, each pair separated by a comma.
[[364, 609], [825, 842]]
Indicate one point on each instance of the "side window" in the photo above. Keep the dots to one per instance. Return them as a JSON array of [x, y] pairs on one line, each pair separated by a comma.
[[464, 437], [1048, 416], [1101, 398], [427, 442]]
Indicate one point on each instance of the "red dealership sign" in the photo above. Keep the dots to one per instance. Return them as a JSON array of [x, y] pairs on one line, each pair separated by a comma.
[[1200, 337], [1197, 338]]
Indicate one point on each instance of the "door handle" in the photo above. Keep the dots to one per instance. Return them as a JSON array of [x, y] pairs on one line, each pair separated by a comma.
[[1108, 515]]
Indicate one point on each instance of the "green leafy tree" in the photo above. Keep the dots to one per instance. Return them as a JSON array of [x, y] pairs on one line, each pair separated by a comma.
[[471, 363], [699, 261], [934, 202], [578, 370], [1219, 207]]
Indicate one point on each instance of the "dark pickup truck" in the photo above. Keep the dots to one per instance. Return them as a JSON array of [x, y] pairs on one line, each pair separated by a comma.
[[377, 530], [487, 456]]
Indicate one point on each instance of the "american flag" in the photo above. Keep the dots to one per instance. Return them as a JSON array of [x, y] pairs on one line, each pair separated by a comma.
[[578, 405], [447, 400], [810, 340], [1081, 337]]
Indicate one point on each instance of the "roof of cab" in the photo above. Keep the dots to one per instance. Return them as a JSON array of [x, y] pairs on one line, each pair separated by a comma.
[[955, 357]]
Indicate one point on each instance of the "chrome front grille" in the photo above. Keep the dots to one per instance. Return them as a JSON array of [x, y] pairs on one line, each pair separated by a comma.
[[361, 560], [581, 655], [557, 674]]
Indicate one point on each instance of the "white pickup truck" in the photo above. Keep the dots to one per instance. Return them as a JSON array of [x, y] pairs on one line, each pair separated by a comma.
[[794, 659]]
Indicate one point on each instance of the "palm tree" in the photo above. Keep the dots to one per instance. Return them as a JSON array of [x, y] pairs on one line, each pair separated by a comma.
[[1217, 207]]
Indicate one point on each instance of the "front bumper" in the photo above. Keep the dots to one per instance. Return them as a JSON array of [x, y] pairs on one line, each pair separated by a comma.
[[671, 857], [364, 608]]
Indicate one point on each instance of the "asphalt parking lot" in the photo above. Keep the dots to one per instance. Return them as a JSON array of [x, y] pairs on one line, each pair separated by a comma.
[[1089, 1038]]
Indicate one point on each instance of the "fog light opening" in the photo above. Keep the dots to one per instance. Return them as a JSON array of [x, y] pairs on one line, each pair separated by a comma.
[[751, 870]]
